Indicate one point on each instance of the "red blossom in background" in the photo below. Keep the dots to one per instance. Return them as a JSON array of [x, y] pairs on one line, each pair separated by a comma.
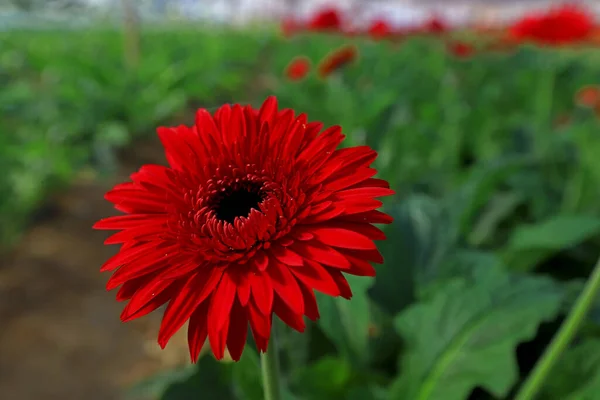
[[435, 25], [588, 96], [256, 210], [298, 68], [337, 59], [561, 25], [380, 29], [460, 49], [328, 19]]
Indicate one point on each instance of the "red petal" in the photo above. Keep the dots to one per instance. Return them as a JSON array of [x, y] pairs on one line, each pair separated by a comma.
[[286, 287], [293, 320], [311, 309], [150, 262], [262, 292], [238, 330], [259, 322], [340, 237], [268, 110], [320, 253], [360, 267], [196, 290], [342, 283], [129, 221], [370, 255], [218, 340], [221, 303], [365, 192], [149, 298], [197, 330], [315, 276], [242, 281], [129, 288], [285, 256], [364, 229], [261, 260]]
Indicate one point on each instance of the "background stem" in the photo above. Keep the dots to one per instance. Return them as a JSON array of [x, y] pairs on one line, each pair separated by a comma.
[[564, 336]]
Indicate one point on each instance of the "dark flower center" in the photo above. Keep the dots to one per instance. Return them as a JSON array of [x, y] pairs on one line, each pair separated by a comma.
[[237, 202]]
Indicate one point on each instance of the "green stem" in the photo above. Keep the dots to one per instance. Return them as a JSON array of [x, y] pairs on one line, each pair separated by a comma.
[[563, 337], [270, 370]]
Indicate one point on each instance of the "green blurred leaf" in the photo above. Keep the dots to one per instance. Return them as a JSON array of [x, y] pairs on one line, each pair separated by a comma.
[[498, 209], [530, 244], [112, 133], [247, 376], [577, 374], [325, 379], [156, 385], [466, 335], [419, 239], [211, 380], [346, 323]]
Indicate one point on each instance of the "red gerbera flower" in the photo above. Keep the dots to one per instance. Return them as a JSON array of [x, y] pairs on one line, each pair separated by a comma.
[[328, 19], [460, 49], [379, 29], [337, 59], [435, 25], [565, 24], [298, 68], [256, 210]]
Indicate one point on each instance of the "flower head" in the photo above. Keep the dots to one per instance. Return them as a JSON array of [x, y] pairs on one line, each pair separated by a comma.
[[256, 210], [435, 25], [337, 59], [328, 19], [298, 68], [561, 25], [380, 29], [460, 49]]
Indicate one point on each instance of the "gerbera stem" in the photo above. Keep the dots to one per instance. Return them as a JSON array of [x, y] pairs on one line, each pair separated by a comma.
[[270, 370], [563, 337]]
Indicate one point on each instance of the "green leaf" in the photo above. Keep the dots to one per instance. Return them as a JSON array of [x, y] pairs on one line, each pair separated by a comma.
[[499, 208], [211, 380], [156, 385], [420, 238], [326, 379], [466, 335], [483, 182], [346, 323], [532, 243], [577, 374], [247, 376]]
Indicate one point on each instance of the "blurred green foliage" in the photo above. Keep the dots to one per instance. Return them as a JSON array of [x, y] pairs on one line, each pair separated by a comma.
[[497, 218], [67, 100]]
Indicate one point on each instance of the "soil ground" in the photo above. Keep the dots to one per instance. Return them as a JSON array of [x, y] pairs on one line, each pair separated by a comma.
[[60, 335]]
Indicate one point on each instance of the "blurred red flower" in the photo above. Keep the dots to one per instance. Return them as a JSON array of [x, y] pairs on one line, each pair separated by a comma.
[[460, 49], [561, 25], [435, 25], [298, 68], [328, 19], [256, 210], [337, 59], [588, 96], [380, 29]]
